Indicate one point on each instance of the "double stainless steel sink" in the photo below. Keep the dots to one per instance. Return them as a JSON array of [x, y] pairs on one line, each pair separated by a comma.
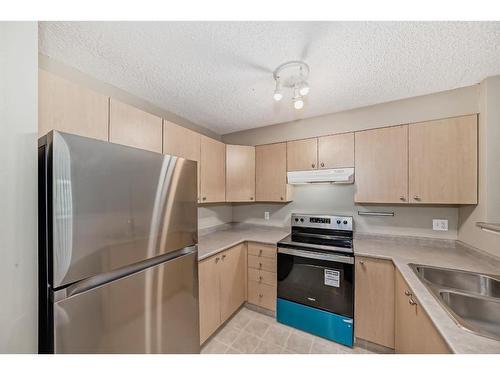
[[472, 299]]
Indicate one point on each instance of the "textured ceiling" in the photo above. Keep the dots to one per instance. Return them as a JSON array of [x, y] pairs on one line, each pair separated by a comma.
[[219, 74]]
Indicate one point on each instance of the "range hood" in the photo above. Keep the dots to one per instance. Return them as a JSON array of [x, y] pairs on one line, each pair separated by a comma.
[[334, 176]]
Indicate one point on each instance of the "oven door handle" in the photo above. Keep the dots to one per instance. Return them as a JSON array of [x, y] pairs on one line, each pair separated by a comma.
[[314, 255]]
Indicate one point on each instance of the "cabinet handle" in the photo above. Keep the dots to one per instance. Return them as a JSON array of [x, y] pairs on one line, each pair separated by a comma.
[[217, 260], [260, 278], [407, 293], [312, 165], [223, 256], [411, 301], [260, 252], [281, 198], [416, 197], [362, 262], [260, 265], [402, 198], [261, 295], [251, 198], [204, 198], [322, 164]]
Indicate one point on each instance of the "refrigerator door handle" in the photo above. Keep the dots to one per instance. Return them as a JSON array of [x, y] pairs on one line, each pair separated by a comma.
[[98, 280]]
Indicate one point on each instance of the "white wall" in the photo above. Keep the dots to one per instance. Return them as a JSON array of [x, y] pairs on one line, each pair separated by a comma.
[[488, 209], [408, 220], [339, 199], [18, 186]]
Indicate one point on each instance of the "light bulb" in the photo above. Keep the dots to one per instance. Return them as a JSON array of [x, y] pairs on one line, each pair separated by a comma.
[[298, 103], [304, 89], [278, 95]]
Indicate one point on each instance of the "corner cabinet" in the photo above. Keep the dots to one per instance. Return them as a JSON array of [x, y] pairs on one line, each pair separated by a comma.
[[414, 331], [69, 107], [213, 170], [132, 127], [222, 287], [381, 165], [270, 173], [240, 173]]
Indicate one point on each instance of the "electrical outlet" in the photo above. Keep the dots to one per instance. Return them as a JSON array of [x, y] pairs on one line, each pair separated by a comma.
[[266, 215], [439, 224]]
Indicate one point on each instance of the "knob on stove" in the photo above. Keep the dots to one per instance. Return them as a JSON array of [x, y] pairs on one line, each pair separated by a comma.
[[338, 221], [345, 222]]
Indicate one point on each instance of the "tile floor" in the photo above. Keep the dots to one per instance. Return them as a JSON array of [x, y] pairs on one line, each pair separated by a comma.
[[251, 332]]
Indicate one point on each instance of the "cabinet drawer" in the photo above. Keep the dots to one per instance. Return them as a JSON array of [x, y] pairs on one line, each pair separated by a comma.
[[261, 263], [262, 295], [262, 250], [262, 277]]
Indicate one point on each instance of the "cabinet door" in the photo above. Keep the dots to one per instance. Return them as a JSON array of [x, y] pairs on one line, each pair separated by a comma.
[[209, 296], [336, 151], [270, 173], [414, 331], [381, 165], [132, 127], [240, 173], [233, 280], [71, 108], [213, 170], [179, 141], [374, 301], [302, 155], [443, 161]]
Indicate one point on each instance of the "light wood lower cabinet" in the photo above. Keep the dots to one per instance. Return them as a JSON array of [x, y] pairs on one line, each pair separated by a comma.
[[414, 331], [262, 271], [374, 301], [222, 288]]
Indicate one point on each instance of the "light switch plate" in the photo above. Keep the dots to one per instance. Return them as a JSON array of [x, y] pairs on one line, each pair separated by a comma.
[[266, 215], [440, 224]]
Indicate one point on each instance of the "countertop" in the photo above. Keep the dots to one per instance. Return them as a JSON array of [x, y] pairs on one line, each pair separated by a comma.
[[402, 251], [231, 235]]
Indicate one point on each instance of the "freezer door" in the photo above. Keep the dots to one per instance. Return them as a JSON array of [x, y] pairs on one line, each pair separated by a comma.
[[114, 205], [152, 311]]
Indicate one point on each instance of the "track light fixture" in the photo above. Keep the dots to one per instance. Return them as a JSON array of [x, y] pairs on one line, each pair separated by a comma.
[[292, 75]]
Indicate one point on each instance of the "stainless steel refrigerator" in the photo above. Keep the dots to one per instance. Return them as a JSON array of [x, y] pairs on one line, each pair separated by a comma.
[[117, 249]]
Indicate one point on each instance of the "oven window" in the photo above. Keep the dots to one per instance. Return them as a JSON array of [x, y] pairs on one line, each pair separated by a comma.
[[317, 283]]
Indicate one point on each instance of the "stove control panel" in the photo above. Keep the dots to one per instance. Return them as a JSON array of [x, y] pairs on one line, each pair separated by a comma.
[[322, 221]]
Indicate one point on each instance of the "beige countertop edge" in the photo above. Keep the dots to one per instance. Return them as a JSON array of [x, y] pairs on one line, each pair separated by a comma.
[[230, 245], [459, 340]]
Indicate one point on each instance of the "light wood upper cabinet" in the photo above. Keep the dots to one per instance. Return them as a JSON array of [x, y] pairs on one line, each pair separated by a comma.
[[209, 296], [443, 161], [336, 151], [180, 141], [68, 107], [132, 127], [270, 173], [381, 165], [213, 170], [414, 331], [240, 173], [233, 280], [302, 155], [374, 301]]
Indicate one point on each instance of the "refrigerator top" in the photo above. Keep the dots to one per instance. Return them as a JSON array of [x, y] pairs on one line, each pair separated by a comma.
[[113, 205]]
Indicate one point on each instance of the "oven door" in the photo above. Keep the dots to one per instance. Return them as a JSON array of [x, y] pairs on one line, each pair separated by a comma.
[[321, 280]]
